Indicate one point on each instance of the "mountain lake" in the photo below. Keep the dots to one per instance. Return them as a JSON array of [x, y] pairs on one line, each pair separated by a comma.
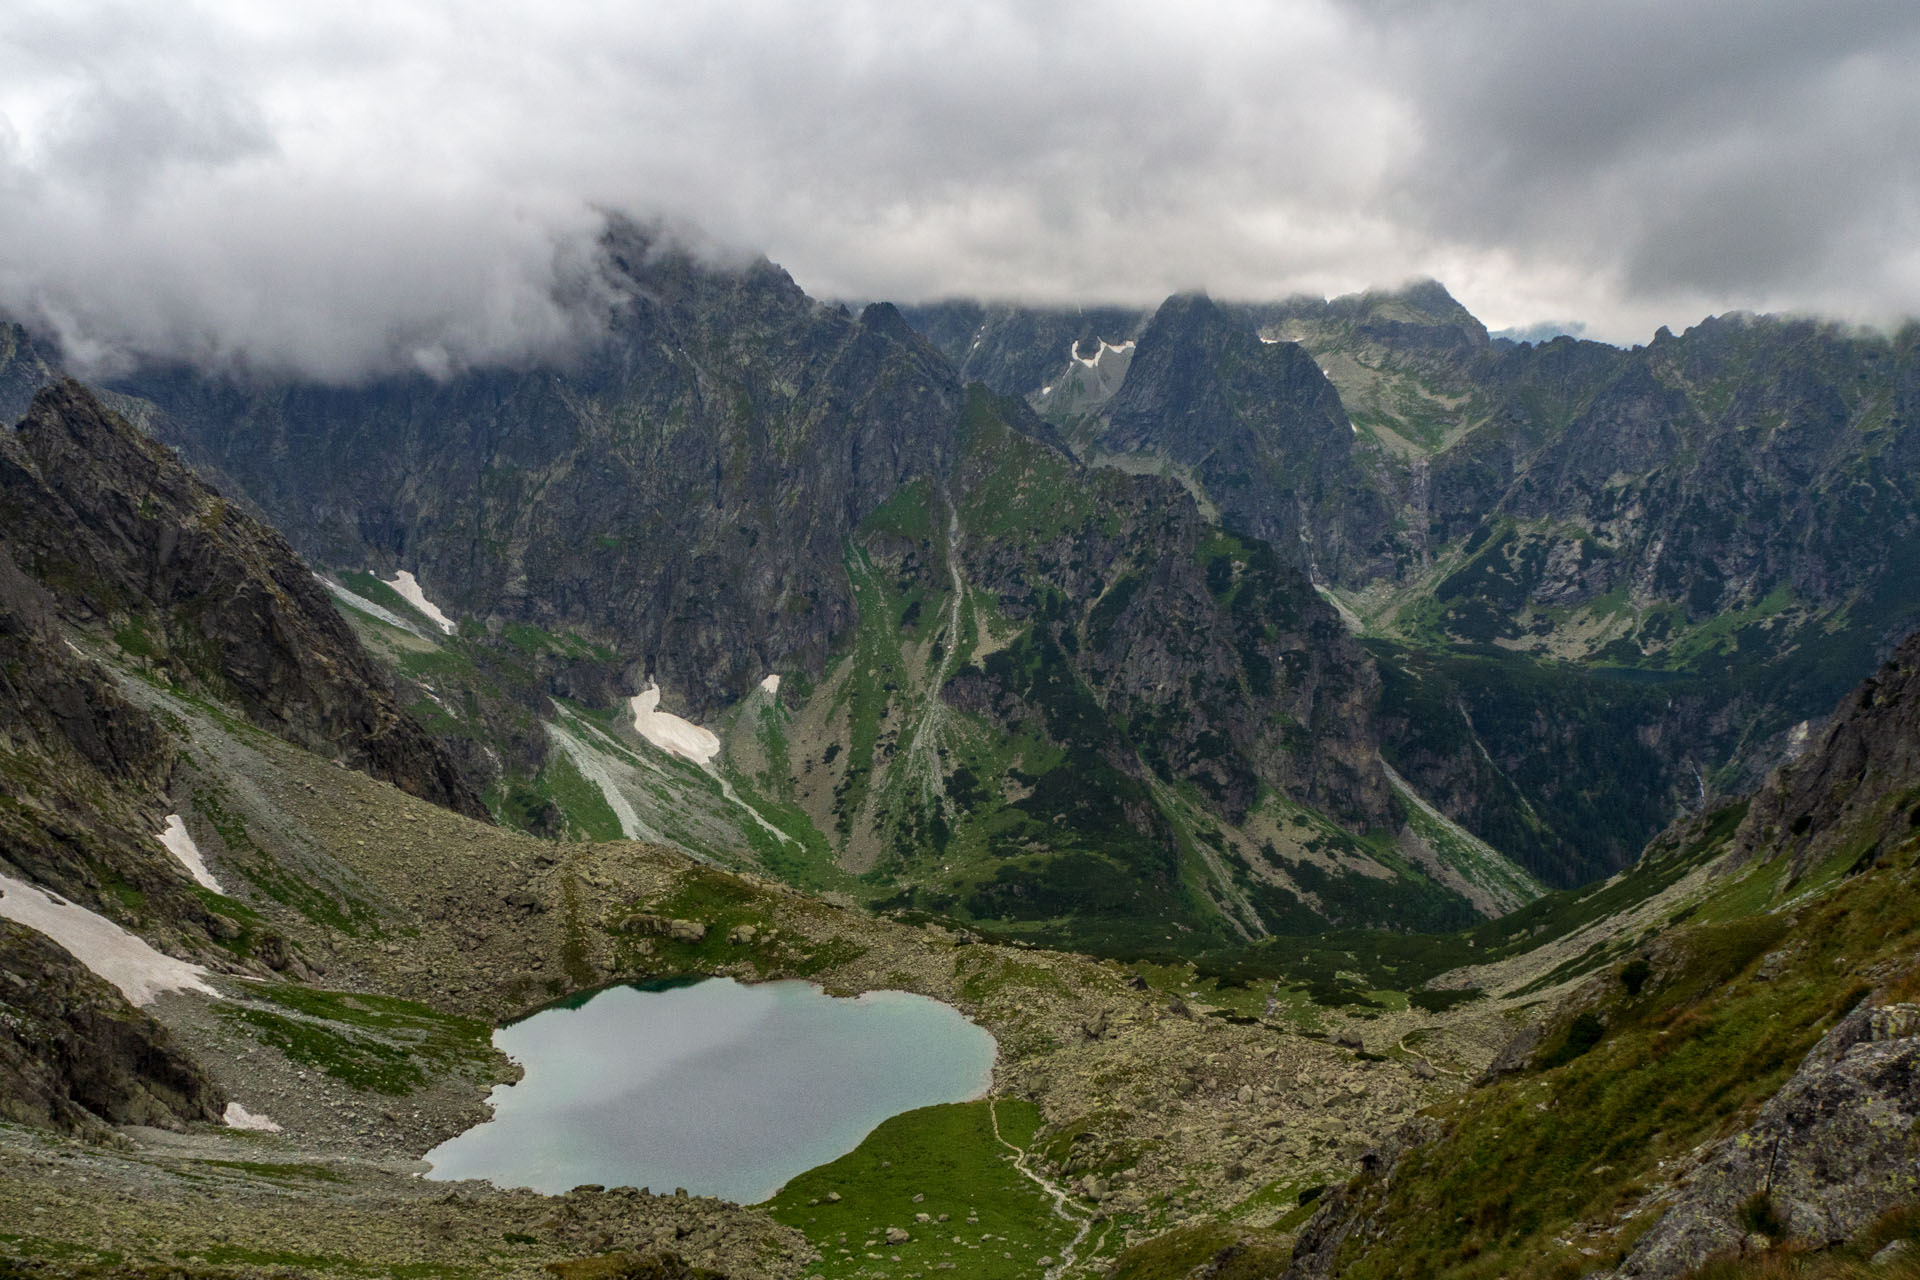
[[720, 1087]]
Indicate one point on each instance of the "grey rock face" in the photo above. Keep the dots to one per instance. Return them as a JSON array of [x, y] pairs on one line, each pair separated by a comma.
[[1866, 758], [24, 369], [683, 492], [687, 495], [1831, 1151], [85, 773], [1226, 670], [1017, 350], [74, 1054], [1262, 429], [126, 539]]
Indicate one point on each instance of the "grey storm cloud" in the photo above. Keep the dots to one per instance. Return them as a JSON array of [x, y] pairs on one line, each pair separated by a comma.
[[339, 190]]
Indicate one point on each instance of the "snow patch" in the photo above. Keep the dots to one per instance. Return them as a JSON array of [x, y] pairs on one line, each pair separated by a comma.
[[111, 952], [771, 684], [410, 591], [689, 741], [238, 1117], [179, 842], [669, 732], [359, 602], [1093, 362]]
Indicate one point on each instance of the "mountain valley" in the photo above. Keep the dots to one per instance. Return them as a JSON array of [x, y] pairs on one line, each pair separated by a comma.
[[1403, 802]]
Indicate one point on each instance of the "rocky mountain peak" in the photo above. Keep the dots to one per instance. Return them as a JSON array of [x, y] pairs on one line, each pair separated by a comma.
[[1426, 302], [1201, 365], [1260, 425]]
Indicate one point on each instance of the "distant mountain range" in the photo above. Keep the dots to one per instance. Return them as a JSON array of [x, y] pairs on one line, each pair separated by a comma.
[[1378, 698], [1127, 628]]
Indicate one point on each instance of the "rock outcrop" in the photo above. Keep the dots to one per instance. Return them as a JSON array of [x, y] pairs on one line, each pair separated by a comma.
[[75, 1055], [1341, 1217], [1858, 778], [1828, 1154], [129, 543]]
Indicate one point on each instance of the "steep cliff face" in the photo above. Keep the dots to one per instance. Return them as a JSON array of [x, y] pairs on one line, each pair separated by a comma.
[[129, 543], [739, 482], [1407, 361], [683, 492], [124, 583], [1073, 705], [1214, 651], [1701, 475], [24, 369], [1148, 684], [1717, 527], [1568, 497], [1562, 768], [85, 774], [1262, 430], [1860, 779], [1016, 351], [1728, 515], [1734, 504]]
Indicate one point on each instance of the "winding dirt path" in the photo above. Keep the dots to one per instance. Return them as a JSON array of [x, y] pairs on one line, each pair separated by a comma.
[[1401, 1045], [1063, 1206]]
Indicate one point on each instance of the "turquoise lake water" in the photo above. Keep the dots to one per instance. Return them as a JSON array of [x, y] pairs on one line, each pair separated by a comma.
[[719, 1087]]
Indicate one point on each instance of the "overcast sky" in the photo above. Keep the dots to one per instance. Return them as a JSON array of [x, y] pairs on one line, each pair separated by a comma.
[[358, 187]]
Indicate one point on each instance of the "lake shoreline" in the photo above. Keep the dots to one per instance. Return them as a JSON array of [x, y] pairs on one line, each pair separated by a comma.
[[720, 1087]]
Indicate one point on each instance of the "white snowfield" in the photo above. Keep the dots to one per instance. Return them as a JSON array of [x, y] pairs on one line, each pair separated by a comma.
[[1073, 349], [371, 609], [771, 684], [238, 1117], [128, 963], [669, 732], [179, 842], [410, 591]]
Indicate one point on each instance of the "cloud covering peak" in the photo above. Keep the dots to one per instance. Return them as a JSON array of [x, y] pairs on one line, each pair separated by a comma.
[[369, 187]]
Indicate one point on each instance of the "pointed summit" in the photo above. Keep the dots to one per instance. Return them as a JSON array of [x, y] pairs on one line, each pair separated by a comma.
[[1257, 422]]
